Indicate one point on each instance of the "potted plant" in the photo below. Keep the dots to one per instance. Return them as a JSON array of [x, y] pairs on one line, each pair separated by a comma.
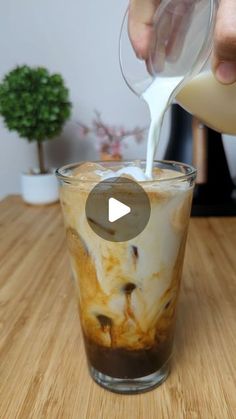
[[110, 138], [35, 104]]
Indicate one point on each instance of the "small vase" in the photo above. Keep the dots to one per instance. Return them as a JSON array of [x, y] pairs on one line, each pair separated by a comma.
[[39, 189], [106, 157]]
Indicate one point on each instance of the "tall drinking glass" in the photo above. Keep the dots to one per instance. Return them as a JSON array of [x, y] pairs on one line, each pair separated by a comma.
[[127, 291]]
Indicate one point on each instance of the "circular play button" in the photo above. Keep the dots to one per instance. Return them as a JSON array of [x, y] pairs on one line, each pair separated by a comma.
[[117, 209]]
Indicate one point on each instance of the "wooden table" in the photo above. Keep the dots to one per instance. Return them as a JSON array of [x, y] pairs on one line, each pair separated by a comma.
[[43, 371]]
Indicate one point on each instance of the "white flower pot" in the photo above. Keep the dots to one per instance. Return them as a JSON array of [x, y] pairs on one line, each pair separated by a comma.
[[39, 188]]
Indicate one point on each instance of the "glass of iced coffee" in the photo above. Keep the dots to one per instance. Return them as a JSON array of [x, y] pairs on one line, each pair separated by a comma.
[[127, 285]]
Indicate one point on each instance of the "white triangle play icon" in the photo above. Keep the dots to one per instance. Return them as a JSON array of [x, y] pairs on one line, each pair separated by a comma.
[[116, 210]]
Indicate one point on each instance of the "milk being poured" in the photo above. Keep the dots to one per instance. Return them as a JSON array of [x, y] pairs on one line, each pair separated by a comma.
[[157, 96], [212, 102]]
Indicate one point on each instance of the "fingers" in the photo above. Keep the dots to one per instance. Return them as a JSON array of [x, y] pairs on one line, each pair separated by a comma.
[[170, 32], [141, 14], [141, 33], [224, 57], [160, 40], [181, 22]]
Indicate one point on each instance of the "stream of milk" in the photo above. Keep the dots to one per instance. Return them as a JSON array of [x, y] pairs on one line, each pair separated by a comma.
[[158, 96]]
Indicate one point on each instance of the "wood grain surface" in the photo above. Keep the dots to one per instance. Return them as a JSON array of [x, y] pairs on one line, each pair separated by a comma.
[[43, 370]]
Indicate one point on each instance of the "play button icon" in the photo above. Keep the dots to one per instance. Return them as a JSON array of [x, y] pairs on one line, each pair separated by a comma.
[[117, 209]]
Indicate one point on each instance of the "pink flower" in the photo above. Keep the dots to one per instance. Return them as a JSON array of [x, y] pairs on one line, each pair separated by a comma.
[[100, 132], [111, 130], [110, 137], [120, 132]]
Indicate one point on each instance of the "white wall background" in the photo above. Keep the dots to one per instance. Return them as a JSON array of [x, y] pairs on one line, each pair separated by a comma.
[[79, 39]]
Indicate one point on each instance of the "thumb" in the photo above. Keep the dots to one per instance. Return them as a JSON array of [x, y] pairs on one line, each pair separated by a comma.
[[141, 14], [224, 57]]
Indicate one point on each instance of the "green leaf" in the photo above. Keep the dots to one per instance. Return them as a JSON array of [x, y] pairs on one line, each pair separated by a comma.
[[34, 103]]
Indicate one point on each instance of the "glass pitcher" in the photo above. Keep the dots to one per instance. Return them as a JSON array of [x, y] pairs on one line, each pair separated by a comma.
[[181, 47]]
